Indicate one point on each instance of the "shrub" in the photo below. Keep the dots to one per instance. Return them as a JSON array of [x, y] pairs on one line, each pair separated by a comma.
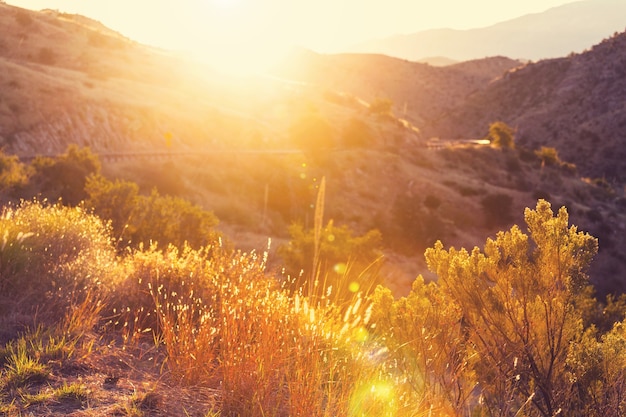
[[51, 256], [346, 262], [23, 18], [115, 201], [312, 133], [520, 310], [541, 195], [46, 56], [501, 135], [143, 220], [513, 164], [432, 202], [14, 175], [414, 224], [424, 338], [171, 220], [381, 106], [65, 177], [548, 156]]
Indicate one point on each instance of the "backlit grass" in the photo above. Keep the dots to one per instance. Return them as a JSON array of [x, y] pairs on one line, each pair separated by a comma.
[[213, 332]]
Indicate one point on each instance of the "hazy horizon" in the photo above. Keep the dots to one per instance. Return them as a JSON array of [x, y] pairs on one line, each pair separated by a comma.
[[240, 31]]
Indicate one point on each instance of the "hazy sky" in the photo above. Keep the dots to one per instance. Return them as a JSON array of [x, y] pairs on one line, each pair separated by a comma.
[[263, 26]]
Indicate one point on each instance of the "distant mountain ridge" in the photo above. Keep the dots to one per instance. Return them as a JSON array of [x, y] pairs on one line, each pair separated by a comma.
[[553, 33]]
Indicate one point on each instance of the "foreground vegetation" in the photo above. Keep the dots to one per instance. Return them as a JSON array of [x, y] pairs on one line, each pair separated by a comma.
[[113, 302], [508, 330]]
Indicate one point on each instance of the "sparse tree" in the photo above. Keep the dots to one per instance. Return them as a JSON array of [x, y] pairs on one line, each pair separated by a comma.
[[501, 135]]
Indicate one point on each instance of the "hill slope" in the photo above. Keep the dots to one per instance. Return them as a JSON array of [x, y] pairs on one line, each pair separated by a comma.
[[419, 91], [575, 104], [71, 81], [66, 78]]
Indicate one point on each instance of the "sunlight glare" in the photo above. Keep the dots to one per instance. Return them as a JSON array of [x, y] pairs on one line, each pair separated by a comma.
[[374, 398], [225, 3], [236, 37]]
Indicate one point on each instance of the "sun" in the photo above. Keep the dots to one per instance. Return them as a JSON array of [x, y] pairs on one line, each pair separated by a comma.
[[225, 3], [236, 36]]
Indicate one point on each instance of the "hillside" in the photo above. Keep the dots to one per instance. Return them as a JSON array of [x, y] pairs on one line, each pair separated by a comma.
[[556, 32], [239, 146], [419, 91], [575, 104], [67, 79]]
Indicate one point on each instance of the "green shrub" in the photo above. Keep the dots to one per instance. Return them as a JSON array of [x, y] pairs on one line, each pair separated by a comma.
[[501, 135], [381, 106], [51, 256], [548, 156], [541, 195], [520, 301], [346, 262], [312, 133], [432, 202], [143, 220], [65, 177], [115, 201], [23, 18], [415, 223], [14, 175], [171, 220], [46, 56]]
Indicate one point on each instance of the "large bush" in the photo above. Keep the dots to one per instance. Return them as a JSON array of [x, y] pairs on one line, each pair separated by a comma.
[[501, 332], [14, 175], [65, 177], [519, 310], [51, 255], [143, 220]]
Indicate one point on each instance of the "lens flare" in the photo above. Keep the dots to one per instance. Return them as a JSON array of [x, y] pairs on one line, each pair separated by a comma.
[[354, 286], [375, 398], [361, 334], [340, 268]]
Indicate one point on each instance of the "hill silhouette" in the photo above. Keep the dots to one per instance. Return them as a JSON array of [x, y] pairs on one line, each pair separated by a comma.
[[556, 32]]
